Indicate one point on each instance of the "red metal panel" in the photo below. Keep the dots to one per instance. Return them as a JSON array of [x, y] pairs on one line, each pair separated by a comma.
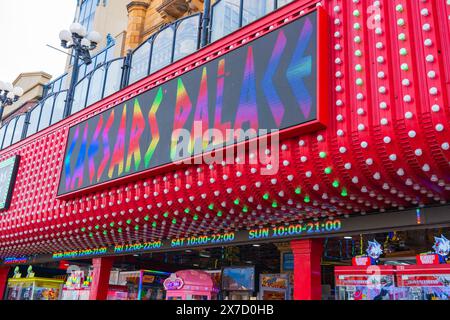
[[386, 146]]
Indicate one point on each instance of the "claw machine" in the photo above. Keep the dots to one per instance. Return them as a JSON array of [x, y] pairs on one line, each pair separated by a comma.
[[32, 287], [365, 279], [429, 279], [189, 285]]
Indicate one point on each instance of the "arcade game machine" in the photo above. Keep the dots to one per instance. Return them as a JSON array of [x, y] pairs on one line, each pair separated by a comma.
[[151, 285], [274, 286], [430, 278], [189, 285], [143, 284], [77, 286], [365, 279], [238, 283], [33, 288]]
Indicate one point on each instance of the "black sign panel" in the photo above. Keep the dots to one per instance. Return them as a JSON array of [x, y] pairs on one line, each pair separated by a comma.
[[427, 218], [269, 83], [8, 172]]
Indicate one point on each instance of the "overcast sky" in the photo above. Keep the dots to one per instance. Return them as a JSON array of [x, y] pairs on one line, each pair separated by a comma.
[[27, 26]]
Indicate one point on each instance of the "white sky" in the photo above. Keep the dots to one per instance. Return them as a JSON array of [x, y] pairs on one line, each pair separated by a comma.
[[26, 27]]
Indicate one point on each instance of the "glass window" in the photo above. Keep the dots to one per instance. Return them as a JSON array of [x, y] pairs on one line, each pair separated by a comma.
[[255, 9], [9, 133], [58, 108], [2, 135], [34, 120], [162, 50], [113, 77], [283, 3], [82, 72], [140, 63], [100, 59], [96, 86], [225, 18], [19, 129], [46, 113], [186, 41], [87, 13], [79, 102]]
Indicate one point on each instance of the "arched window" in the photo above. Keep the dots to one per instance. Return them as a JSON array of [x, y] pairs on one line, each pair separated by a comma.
[[186, 41], [255, 9], [9, 133], [2, 135], [58, 108], [225, 18], [162, 50], [96, 86], [140, 63], [113, 77], [283, 3], [79, 102], [46, 114], [19, 129], [34, 120]]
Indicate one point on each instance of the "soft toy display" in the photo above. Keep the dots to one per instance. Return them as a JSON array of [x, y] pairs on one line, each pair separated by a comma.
[[374, 251], [442, 248]]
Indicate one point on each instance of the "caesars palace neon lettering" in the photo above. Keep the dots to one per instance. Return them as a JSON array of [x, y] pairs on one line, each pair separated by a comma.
[[267, 84]]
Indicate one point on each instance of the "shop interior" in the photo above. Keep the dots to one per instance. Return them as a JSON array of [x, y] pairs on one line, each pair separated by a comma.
[[254, 272]]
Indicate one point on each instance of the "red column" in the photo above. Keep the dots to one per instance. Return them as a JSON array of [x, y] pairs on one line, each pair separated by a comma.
[[100, 278], [3, 281], [307, 269]]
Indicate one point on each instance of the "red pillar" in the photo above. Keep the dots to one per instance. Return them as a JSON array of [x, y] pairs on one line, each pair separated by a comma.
[[3, 281], [307, 269], [100, 278]]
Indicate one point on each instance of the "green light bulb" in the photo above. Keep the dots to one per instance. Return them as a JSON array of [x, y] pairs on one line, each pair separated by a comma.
[[266, 196], [119, 230], [274, 204], [219, 214], [328, 170], [129, 221], [166, 215], [97, 227], [196, 217], [307, 199], [105, 232], [298, 190], [154, 224], [111, 224], [187, 210], [344, 192], [323, 155], [245, 209], [336, 184], [91, 235], [136, 228], [174, 221], [83, 229], [236, 202], [211, 206], [146, 218]]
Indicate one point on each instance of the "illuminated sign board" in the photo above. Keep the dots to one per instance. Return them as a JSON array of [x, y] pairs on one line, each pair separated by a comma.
[[269, 84], [8, 172], [381, 222]]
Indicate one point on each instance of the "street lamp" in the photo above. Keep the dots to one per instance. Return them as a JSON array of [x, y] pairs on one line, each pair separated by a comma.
[[8, 95], [82, 43]]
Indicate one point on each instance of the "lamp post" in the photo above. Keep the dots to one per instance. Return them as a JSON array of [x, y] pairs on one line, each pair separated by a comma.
[[82, 43], [8, 95]]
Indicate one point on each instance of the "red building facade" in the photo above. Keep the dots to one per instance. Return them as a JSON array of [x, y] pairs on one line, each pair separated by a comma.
[[380, 144]]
